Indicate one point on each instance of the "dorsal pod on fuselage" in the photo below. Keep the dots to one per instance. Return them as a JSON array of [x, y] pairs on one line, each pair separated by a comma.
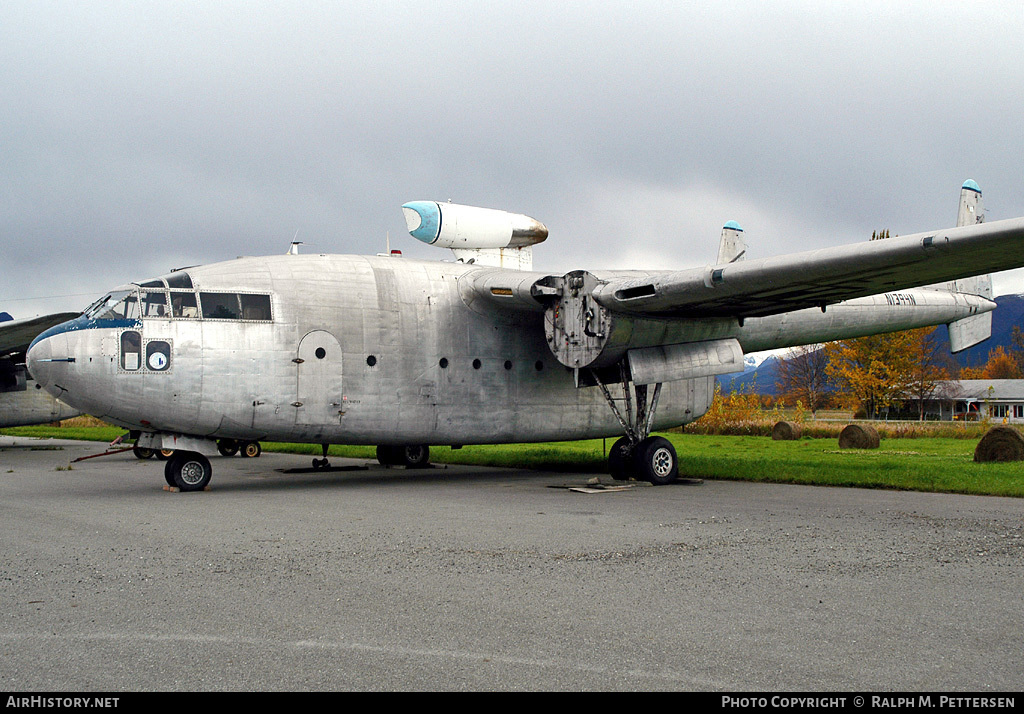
[[451, 225]]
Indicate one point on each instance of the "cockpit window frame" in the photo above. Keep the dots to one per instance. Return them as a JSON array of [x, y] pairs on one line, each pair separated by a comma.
[[104, 309], [136, 302], [179, 280]]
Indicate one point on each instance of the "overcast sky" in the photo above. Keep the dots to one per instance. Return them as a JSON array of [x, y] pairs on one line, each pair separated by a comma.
[[137, 137]]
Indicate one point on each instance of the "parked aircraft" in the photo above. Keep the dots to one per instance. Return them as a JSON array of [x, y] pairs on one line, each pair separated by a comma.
[[22, 400], [407, 354]]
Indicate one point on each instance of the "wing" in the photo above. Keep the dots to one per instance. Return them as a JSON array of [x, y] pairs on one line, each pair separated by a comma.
[[755, 288], [16, 335]]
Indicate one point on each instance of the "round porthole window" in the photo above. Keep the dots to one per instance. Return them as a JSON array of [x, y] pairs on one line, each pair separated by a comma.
[[371, 361], [476, 364], [320, 353], [444, 363]]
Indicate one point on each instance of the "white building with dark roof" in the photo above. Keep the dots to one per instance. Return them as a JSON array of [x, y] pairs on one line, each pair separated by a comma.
[[1000, 400]]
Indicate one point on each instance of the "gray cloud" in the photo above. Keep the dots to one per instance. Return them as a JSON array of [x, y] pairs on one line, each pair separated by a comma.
[[137, 137]]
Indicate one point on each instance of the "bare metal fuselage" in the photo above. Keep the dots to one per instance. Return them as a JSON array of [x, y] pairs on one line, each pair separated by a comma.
[[384, 350], [31, 405]]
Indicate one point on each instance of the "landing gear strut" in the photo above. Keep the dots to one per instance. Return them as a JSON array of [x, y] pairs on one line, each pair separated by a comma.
[[650, 458], [322, 463]]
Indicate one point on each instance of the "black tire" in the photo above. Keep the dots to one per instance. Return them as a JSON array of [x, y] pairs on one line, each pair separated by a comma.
[[411, 456], [388, 455], [655, 460], [227, 447], [620, 465], [251, 449], [142, 452], [164, 454], [168, 476], [415, 456], [189, 470]]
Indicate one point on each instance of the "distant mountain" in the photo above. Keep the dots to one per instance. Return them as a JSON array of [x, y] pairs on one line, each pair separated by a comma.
[[757, 378], [761, 378], [1009, 313]]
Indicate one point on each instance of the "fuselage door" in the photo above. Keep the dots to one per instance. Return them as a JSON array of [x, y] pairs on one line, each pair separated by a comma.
[[319, 392]]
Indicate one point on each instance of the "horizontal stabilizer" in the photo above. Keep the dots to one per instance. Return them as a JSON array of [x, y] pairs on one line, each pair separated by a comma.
[[969, 331]]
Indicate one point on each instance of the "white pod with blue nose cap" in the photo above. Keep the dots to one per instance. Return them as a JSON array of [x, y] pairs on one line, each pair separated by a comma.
[[451, 225]]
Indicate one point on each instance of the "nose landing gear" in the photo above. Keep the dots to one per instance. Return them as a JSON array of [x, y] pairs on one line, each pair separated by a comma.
[[188, 471]]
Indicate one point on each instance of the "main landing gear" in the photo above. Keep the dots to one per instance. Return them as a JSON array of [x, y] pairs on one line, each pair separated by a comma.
[[638, 454], [144, 453], [248, 449], [413, 456]]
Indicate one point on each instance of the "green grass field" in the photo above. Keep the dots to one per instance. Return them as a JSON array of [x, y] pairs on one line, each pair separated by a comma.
[[920, 464]]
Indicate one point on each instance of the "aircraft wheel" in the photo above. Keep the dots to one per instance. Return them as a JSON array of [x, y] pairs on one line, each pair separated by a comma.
[[227, 447], [168, 475], [251, 449], [321, 464], [142, 452], [619, 463], [189, 470], [656, 461], [416, 456], [388, 455], [164, 454], [413, 456]]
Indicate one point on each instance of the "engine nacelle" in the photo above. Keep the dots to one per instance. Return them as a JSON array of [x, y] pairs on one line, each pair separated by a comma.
[[450, 225]]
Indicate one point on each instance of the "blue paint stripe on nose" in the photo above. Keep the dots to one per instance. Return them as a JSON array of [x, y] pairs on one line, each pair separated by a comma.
[[85, 323]]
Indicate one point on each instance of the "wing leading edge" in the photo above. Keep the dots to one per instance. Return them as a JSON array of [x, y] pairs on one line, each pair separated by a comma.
[[16, 335], [769, 286]]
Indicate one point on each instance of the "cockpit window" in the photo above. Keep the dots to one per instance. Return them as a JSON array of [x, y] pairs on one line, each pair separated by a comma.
[[220, 306], [158, 283], [235, 306], [120, 305], [180, 280], [184, 305], [255, 307], [154, 304]]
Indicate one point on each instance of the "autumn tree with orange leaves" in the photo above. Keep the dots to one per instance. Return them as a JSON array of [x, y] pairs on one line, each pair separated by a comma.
[[880, 371], [1000, 365]]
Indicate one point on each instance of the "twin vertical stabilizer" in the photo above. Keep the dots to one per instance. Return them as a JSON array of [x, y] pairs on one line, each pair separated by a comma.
[[732, 247], [977, 328]]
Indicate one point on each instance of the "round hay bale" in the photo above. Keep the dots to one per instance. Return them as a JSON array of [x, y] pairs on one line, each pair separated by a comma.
[[858, 436], [1000, 443], [786, 431]]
